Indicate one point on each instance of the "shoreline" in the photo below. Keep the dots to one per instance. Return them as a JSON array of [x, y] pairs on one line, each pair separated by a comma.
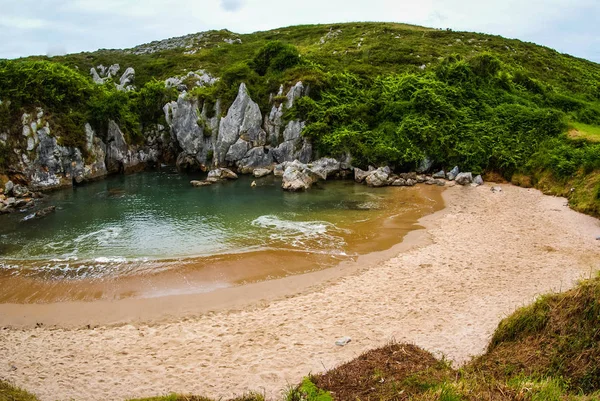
[[477, 259]]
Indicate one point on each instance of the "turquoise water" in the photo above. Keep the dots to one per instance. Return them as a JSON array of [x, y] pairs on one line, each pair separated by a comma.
[[120, 225]]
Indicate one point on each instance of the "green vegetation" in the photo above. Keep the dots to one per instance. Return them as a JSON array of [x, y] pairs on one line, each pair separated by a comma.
[[8, 392], [387, 93]]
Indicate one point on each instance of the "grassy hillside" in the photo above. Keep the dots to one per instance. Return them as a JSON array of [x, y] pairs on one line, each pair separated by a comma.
[[548, 351], [386, 93]]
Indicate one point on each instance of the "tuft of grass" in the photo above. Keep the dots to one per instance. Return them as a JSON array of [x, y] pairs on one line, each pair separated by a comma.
[[9, 392], [586, 132]]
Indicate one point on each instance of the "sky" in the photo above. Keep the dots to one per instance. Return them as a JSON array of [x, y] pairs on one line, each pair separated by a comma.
[[53, 27]]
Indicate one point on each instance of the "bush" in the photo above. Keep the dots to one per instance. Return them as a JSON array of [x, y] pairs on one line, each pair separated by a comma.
[[275, 56]]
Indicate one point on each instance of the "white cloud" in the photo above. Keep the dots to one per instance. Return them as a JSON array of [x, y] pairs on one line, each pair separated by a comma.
[[232, 5], [25, 23]]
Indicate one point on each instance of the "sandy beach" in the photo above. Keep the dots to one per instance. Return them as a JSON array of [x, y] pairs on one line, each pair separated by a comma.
[[445, 289]]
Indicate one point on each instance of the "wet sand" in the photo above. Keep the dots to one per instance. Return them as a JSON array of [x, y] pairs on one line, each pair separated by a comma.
[[445, 289]]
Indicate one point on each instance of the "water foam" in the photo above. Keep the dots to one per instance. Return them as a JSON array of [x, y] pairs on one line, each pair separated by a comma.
[[308, 235]]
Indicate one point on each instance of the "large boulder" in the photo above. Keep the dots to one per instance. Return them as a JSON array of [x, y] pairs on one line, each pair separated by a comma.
[[222, 174], [325, 167], [453, 173], [464, 178], [379, 177], [261, 172], [361, 175], [297, 177]]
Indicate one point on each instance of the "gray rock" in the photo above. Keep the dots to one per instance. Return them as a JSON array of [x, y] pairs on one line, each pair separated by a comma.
[[8, 187], [438, 182], [117, 157], [400, 182], [113, 70], [325, 167], [54, 166], [200, 183], [295, 92], [408, 176], [425, 165], [96, 167], [126, 81], [273, 124], [379, 177], [259, 157], [453, 173], [187, 162], [360, 175], [296, 179], [293, 147], [496, 189], [410, 182], [41, 213], [243, 120], [261, 172], [464, 178], [478, 180], [20, 191], [340, 342], [278, 170], [222, 174], [439, 174], [237, 151], [420, 178]]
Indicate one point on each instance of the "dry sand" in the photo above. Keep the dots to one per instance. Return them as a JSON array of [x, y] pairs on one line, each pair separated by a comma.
[[485, 254]]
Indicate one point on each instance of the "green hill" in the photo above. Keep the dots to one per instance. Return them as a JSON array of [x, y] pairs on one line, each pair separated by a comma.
[[385, 93]]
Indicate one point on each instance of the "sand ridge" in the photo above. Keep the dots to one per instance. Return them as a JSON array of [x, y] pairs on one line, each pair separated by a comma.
[[487, 253]]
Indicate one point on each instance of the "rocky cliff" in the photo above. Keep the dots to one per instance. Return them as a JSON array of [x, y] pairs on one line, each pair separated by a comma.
[[242, 139]]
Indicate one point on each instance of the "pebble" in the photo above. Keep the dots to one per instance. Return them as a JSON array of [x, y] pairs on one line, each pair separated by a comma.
[[343, 341]]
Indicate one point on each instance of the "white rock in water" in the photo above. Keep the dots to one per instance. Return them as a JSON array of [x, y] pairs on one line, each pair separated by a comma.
[[343, 341]]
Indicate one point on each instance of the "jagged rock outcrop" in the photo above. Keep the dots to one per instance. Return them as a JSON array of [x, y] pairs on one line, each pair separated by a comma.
[[126, 81], [290, 146], [192, 79], [123, 158], [196, 141], [54, 165], [243, 121], [101, 74]]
